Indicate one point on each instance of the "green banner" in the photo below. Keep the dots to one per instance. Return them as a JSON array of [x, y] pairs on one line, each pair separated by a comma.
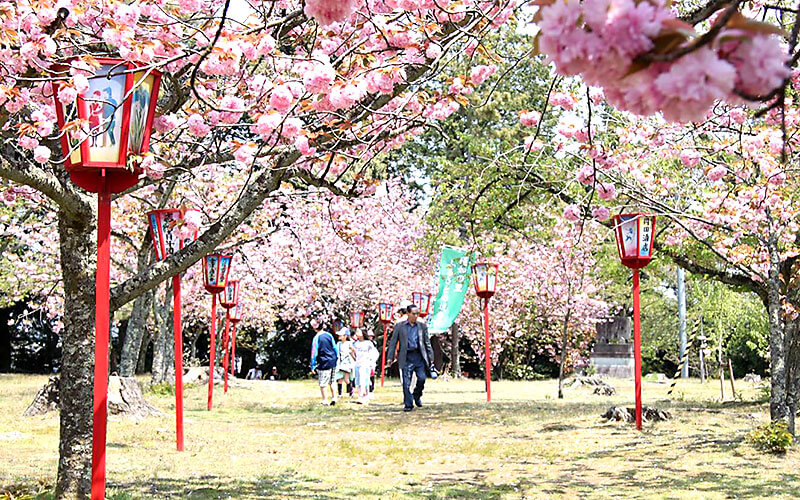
[[455, 267]]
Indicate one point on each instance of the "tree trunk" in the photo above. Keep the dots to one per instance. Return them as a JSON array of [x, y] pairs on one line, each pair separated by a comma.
[[455, 352], [564, 351], [792, 370], [777, 346], [161, 344], [135, 335], [78, 264]]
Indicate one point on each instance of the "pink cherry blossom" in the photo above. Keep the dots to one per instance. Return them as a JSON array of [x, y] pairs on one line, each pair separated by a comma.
[[690, 157], [606, 191], [479, 74], [572, 212], [41, 154], [281, 98], [197, 126], [717, 173], [530, 118], [329, 11], [302, 145]]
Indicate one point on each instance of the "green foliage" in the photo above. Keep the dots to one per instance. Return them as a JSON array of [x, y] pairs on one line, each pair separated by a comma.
[[772, 437], [514, 371], [162, 389]]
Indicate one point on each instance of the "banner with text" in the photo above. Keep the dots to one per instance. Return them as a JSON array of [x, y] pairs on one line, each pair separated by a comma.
[[455, 267]]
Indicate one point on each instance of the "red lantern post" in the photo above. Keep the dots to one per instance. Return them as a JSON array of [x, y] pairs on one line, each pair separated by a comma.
[[216, 267], [106, 123], [170, 234], [385, 316], [236, 317], [485, 279], [229, 300], [423, 302], [635, 235]]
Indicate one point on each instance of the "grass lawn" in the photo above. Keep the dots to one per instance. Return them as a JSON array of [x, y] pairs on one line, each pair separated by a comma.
[[274, 440]]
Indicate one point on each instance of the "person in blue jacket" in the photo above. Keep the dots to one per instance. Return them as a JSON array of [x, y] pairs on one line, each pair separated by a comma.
[[324, 355]]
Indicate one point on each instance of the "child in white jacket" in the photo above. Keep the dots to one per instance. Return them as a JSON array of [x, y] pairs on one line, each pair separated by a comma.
[[366, 358]]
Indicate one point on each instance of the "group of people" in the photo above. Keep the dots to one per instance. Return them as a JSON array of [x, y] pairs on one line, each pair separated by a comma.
[[351, 362]]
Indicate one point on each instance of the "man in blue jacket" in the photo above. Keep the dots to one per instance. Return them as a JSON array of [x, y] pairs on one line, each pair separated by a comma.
[[324, 354]]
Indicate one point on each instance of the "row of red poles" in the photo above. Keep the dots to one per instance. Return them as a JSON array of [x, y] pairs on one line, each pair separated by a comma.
[[105, 170], [167, 228]]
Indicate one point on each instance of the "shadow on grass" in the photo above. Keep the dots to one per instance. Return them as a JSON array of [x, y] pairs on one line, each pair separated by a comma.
[[286, 485]]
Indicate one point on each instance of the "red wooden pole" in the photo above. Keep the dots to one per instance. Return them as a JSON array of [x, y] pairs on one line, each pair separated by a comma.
[[233, 350], [383, 359], [225, 347], [487, 354], [178, 327], [637, 349], [212, 333], [101, 326]]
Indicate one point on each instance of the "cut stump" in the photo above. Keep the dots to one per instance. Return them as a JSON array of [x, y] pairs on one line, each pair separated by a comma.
[[649, 414], [46, 399], [124, 398]]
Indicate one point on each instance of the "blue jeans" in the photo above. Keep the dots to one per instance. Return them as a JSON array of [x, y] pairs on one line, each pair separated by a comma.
[[414, 364]]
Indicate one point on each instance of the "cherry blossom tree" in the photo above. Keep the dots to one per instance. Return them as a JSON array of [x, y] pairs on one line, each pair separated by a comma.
[[284, 92]]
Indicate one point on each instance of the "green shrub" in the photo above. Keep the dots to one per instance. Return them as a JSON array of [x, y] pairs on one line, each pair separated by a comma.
[[162, 389], [772, 437]]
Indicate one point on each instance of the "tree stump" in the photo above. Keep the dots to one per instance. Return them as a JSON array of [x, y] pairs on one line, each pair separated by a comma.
[[604, 390], [600, 386], [199, 375], [46, 399], [124, 398], [649, 414]]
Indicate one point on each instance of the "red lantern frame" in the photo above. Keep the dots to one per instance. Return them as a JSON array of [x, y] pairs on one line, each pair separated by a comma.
[[486, 284], [230, 296], [385, 310], [220, 266], [423, 302], [357, 319], [236, 314], [642, 228], [163, 224], [96, 175]]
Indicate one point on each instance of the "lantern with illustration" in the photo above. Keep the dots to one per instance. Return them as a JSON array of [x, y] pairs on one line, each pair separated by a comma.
[[423, 302], [216, 267], [103, 132], [170, 230], [385, 310], [357, 319], [635, 235], [485, 280], [230, 298]]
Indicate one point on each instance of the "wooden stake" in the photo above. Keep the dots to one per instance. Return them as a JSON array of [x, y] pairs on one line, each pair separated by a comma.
[[730, 370]]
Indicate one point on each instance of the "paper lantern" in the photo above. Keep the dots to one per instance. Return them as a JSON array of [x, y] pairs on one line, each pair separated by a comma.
[[385, 312], [485, 278], [169, 230], [231, 296], [423, 302], [107, 123], [216, 267], [635, 234]]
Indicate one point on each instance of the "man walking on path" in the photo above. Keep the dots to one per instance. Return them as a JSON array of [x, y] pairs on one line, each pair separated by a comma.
[[415, 356], [323, 360]]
